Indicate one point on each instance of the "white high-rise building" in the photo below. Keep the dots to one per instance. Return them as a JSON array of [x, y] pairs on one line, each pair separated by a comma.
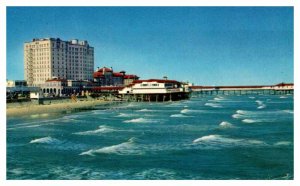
[[49, 58]]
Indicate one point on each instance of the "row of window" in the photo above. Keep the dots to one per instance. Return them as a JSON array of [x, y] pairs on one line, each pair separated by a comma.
[[154, 85]]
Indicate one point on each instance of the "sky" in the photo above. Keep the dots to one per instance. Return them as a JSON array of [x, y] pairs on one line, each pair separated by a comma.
[[201, 45]]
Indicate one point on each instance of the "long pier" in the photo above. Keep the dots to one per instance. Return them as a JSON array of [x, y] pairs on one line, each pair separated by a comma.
[[278, 89]]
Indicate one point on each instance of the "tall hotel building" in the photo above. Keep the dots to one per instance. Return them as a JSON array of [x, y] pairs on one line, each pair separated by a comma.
[[48, 58]]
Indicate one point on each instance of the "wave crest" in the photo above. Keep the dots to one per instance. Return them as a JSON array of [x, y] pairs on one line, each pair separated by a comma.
[[141, 120], [214, 105], [125, 148], [218, 141], [225, 124], [45, 140], [101, 129], [179, 116], [250, 121]]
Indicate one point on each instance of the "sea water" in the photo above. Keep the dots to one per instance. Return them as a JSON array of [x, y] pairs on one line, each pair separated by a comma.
[[212, 137]]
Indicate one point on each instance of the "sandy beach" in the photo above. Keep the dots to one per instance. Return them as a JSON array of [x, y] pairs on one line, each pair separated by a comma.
[[52, 108]]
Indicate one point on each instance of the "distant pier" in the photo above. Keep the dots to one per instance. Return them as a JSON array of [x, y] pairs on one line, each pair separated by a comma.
[[278, 89]]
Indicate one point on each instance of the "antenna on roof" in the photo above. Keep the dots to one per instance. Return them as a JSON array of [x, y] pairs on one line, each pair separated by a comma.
[[165, 77]]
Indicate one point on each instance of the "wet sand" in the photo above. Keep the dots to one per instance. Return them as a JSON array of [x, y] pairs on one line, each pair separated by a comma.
[[53, 108]]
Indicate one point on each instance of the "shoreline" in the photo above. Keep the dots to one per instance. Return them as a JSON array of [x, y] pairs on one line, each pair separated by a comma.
[[54, 108]]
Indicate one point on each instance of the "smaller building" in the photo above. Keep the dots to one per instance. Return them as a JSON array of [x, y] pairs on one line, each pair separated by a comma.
[[17, 90], [128, 79], [54, 87], [107, 77], [16, 83], [284, 86], [61, 87], [156, 90]]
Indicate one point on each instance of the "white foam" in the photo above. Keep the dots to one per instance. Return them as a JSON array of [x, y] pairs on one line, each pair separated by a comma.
[[101, 129], [219, 99], [45, 140], [259, 102], [251, 97], [207, 138], [250, 121], [282, 97], [156, 174], [179, 116], [243, 112], [126, 148], [237, 116], [141, 120], [125, 115], [283, 143], [261, 106], [214, 105], [144, 110], [289, 111], [218, 141], [185, 111], [225, 124], [17, 171]]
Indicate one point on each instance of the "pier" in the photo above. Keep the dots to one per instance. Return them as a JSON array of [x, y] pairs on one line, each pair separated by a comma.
[[278, 89]]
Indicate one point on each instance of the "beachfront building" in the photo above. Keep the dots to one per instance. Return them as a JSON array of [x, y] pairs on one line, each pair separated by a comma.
[[18, 89], [284, 86], [51, 57], [128, 79], [107, 77], [54, 87], [16, 83], [62, 87], [155, 90]]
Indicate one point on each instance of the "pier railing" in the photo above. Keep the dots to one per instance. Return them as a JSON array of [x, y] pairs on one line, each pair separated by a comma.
[[241, 90]]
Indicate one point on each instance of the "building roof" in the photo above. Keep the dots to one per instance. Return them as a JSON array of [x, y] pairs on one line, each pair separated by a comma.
[[131, 76], [118, 74], [285, 84], [105, 69], [156, 80], [97, 74], [107, 88]]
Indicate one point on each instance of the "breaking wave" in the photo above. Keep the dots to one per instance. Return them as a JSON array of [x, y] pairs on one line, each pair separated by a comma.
[[141, 120], [283, 143], [259, 102], [186, 111], [242, 112], [225, 124], [219, 141], [237, 116], [289, 111], [45, 140], [144, 110], [125, 115], [219, 99], [261, 106], [251, 121], [282, 97], [214, 105], [125, 148], [179, 116], [101, 129]]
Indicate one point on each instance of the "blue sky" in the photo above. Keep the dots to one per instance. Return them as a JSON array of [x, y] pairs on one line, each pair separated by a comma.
[[203, 45]]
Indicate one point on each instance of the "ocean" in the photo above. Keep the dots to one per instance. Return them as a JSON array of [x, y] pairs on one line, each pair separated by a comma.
[[247, 137]]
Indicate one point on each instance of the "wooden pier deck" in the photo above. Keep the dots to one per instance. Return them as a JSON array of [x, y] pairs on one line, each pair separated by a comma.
[[278, 89]]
